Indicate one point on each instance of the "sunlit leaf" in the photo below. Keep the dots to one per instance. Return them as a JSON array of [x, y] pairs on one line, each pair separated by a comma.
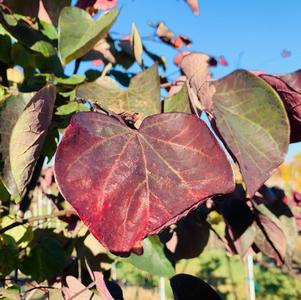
[[172, 156], [76, 43], [136, 44], [142, 96], [253, 123]]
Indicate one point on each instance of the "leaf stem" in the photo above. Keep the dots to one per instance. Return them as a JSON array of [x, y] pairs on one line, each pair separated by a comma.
[[66, 212]]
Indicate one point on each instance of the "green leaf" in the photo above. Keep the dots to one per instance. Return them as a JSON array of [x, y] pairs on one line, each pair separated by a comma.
[[78, 33], [45, 260], [4, 194], [28, 135], [153, 259], [8, 255], [26, 35], [10, 111], [23, 128], [5, 48], [253, 123], [142, 96], [70, 108], [22, 234], [72, 80], [45, 48], [178, 102], [136, 44], [48, 30]]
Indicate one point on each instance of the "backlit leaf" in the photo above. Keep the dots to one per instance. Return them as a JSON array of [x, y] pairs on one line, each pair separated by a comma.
[[136, 44], [142, 96], [153, 259], [252, 121], [76, 43], [131, 184], [178, 99]]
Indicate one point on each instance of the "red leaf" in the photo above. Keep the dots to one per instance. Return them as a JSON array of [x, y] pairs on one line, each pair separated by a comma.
[[292, 102], [194, 5], [127, 184], [168, 37], [189, 238], [222, 61]]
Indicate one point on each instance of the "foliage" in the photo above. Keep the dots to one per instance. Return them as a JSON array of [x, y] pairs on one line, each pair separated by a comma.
[[135, 170]]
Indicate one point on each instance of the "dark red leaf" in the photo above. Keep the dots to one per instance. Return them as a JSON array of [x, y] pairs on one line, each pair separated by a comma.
[[186, 287], [238, 218], [189, 238], [292, 102], [127, 184]]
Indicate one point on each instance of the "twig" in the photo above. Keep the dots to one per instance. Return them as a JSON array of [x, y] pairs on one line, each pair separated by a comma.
[[67, 212], [83, 290]]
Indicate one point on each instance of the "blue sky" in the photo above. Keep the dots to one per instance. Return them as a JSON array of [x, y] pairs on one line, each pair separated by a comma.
[[250, 34]]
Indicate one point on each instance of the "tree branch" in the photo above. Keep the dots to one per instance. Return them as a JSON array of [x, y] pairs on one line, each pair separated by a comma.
[[66, 212]]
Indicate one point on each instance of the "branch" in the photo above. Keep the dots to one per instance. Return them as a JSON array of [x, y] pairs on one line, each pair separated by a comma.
[[66, 212]]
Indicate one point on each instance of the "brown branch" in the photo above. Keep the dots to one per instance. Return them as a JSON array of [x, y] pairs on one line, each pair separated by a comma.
[[66, 212]]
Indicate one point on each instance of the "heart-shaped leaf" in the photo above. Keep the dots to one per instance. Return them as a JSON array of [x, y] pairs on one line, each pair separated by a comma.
[[291, 99], [143, 95], [24, 126], [252, 121], [127, 184], [78, 33]]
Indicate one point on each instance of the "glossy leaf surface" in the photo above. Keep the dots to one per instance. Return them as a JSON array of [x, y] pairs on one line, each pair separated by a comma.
[[131, 184], [252, 121]]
